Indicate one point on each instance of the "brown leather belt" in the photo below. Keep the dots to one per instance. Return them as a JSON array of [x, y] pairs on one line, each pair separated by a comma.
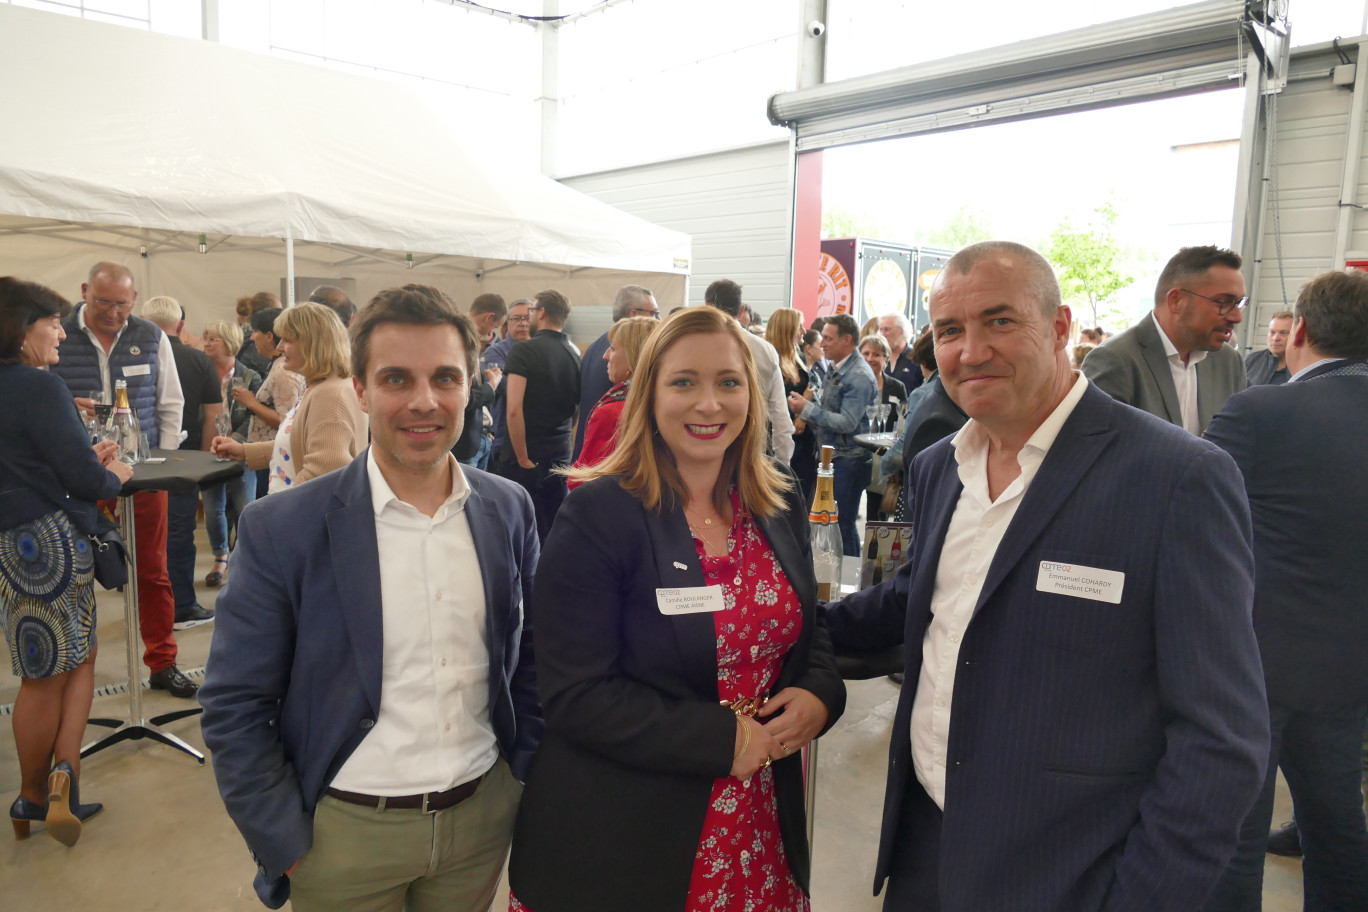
[[428, 802]]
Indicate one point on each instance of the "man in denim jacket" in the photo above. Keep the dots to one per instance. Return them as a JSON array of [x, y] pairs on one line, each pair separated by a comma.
[[850, 388]]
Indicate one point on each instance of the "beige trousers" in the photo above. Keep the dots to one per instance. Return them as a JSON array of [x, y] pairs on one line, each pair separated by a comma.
[[364, 860]]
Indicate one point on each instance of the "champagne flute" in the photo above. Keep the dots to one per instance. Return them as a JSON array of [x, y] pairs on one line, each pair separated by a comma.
[[223, 424]]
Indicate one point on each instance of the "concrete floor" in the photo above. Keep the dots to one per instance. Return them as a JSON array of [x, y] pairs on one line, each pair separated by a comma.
[[164, 841]]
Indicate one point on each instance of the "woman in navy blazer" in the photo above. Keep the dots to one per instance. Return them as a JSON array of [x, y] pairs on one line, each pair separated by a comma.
[[49, 480], [660, 749]]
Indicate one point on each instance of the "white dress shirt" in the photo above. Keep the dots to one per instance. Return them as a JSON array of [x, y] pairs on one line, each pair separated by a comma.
[[772, 382], [971, 541], [433, 731], [1184, 379], [170, 398]]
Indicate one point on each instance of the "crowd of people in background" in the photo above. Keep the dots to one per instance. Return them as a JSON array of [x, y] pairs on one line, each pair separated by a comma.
[[433, 478]]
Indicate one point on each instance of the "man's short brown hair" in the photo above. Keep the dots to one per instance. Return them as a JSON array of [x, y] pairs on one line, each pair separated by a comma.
[[1189, 263], [554, 305], [489, 303], [845, 325], [410, 305], [1334, 306], [725, 295]]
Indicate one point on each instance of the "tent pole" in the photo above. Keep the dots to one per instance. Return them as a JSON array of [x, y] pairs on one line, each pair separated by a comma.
[[289, 268], [146, 264]]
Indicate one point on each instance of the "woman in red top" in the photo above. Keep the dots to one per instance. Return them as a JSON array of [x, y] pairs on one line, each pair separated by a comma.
[[625, 341], [681, 660]]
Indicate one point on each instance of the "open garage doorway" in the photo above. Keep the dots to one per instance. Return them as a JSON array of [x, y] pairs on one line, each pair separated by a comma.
[[1141, 180]]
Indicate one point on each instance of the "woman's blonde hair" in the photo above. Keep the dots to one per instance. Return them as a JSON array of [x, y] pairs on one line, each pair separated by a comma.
[[321, 339], [630, 335], [228, 333], [784, 325], [643, 461]]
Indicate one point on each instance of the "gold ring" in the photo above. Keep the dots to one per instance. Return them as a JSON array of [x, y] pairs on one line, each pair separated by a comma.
[[787, 751], [768, 761]]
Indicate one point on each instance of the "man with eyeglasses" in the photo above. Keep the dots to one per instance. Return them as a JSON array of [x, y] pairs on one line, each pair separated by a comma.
[[1178, 363], [104, 344], [517, 328], [630, 301]]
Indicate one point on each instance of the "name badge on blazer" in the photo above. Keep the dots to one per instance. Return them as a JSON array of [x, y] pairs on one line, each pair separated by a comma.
[[137, 370], [1082, 582], [690, 600]]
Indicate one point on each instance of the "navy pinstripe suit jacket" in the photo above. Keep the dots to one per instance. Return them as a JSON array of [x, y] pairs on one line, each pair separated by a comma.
[[1100, 756]]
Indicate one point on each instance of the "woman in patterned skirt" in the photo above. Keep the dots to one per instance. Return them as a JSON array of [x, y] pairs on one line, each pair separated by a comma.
[[47, 600], [681, 661]]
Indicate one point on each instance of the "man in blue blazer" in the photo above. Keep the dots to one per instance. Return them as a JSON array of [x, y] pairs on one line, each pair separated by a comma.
[[370, 699], [1083, 723], [1301, 448]]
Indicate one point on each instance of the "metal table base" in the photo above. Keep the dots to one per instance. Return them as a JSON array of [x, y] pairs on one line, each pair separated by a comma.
[[136, 726]]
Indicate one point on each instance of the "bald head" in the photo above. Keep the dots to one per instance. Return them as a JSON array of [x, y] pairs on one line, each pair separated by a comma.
[[113, 272], [1032, 270]]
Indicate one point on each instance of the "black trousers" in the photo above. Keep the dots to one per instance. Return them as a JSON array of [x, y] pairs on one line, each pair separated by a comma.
[[546, 487]]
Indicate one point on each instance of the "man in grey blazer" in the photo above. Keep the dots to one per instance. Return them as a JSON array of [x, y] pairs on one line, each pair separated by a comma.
[[1177, 363]]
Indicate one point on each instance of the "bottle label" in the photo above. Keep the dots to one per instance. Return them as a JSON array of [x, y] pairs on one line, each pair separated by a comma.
[[823, 518]]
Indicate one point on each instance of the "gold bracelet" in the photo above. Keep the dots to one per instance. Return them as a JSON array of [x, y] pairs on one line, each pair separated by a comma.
[[746, 737]]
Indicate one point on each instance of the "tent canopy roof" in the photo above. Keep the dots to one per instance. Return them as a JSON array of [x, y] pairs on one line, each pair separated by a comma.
[[111, 126]]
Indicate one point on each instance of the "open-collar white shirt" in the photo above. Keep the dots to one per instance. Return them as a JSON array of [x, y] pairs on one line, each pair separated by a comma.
[[433, 731], [1184, 379], [971, 541]]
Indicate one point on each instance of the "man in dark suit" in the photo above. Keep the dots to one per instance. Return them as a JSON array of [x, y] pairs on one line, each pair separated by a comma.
[[630, 301], [1083, 723], [1178, 363], [370, 699], [1301, 448]]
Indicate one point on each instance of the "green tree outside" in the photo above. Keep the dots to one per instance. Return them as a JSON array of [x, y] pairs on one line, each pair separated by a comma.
[[1087, 262]]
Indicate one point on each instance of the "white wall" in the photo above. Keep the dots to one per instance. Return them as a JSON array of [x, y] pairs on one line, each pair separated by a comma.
[[1311, 137], [736, 205]]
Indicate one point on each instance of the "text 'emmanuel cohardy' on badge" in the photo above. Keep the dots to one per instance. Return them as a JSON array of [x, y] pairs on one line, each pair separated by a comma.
[[1082, 582], [690, 600]]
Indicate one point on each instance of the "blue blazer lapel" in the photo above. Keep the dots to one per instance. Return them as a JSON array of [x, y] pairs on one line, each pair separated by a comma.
[[1081, 440], [495, 556], [1152, 347], [356, 574], [677, 567]]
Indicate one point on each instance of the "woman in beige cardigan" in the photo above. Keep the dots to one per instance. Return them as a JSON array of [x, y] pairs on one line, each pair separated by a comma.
[[327, 429]]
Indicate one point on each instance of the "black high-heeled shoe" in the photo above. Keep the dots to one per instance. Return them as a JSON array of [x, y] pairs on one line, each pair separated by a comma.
[[22, 813], [61, 824]]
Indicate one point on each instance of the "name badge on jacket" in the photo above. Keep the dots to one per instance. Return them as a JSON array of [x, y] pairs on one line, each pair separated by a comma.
[[1082, 582], [137, 370], [690, 600]]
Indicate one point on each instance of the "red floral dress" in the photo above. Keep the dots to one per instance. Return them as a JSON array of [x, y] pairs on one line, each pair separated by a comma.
[[740, 865]]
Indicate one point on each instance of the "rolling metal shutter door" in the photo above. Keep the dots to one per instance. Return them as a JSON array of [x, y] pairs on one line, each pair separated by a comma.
[[1196, 48]]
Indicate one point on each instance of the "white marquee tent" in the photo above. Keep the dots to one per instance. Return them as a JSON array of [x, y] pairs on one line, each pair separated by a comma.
[[125, 145]]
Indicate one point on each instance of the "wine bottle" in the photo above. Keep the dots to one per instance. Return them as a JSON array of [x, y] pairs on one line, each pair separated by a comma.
[[826, 534], [123, 425]]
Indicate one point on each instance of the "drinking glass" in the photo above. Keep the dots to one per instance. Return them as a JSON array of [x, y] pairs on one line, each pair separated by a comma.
[[223, 424], [144, 448]]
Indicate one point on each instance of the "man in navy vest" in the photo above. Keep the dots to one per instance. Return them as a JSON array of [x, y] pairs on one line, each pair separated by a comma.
[[104, 344]]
